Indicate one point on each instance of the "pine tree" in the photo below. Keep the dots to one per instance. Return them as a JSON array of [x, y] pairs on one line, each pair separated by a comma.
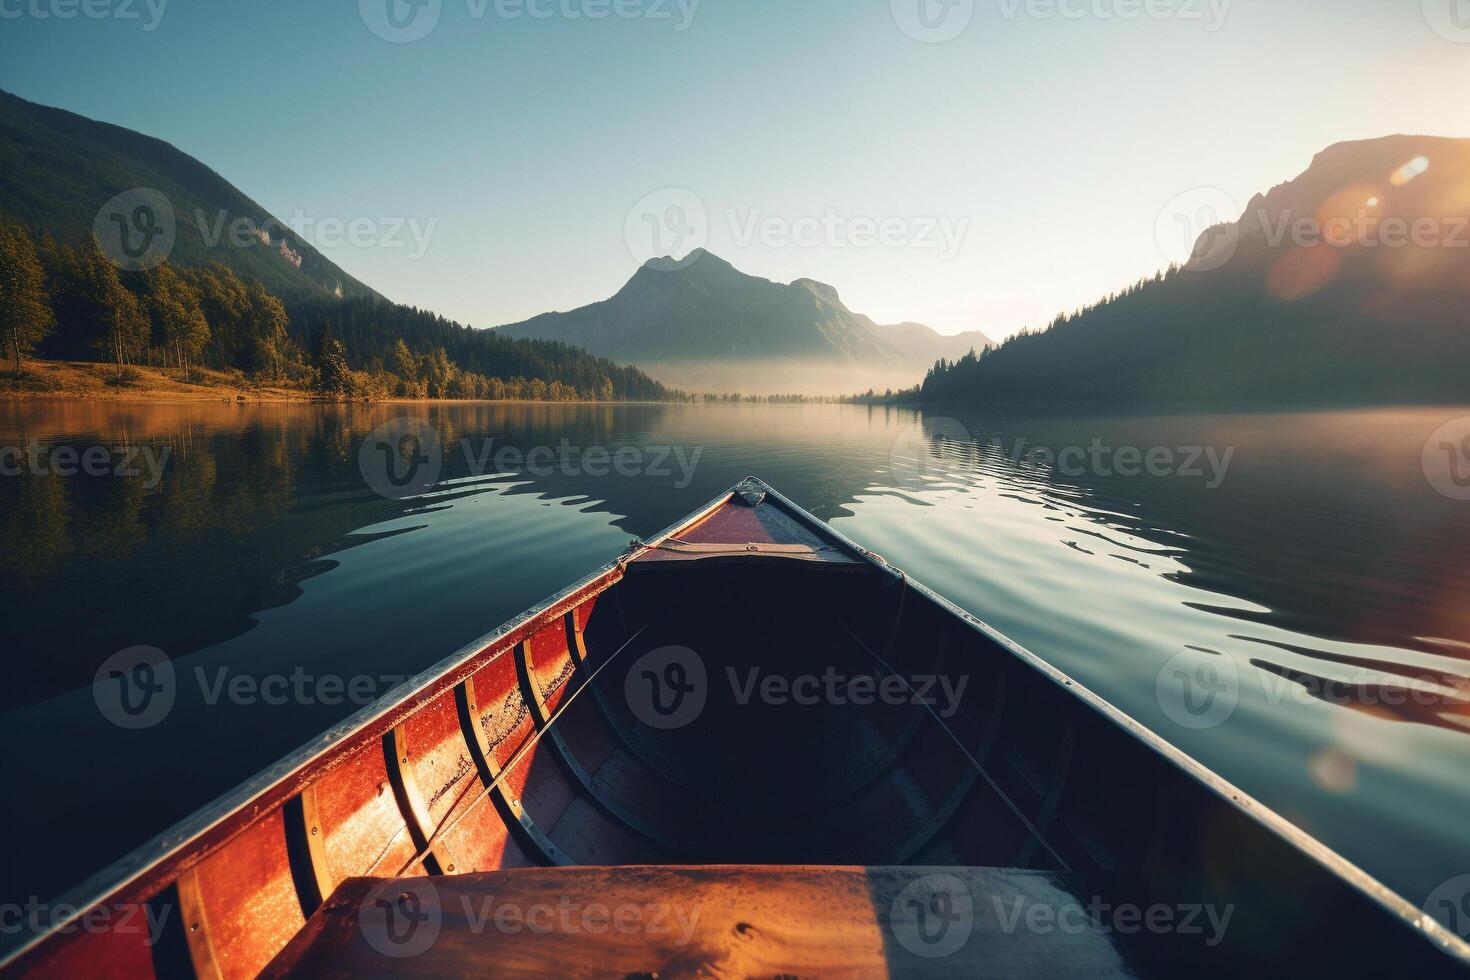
[[25, 311], [333, 376], [177, 311]]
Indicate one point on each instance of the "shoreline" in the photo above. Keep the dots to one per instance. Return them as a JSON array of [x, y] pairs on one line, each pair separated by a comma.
[[92, 381]]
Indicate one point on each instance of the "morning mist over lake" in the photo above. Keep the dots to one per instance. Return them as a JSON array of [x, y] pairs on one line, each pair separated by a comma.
[[674, 488]]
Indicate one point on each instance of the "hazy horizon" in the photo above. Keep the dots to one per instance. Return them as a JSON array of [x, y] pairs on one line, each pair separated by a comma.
[[1014, 171]]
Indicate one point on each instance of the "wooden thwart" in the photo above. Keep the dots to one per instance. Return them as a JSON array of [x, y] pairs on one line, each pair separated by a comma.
[[674, 922]]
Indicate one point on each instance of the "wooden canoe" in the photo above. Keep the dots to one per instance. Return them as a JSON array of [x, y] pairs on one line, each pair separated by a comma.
[[713, 757]]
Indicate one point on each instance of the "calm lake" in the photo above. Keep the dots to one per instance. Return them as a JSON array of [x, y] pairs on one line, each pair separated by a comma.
[[1283, 596]]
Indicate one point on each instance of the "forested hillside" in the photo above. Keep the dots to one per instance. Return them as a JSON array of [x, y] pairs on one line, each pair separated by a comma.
[[70, 302], [1349, 285]]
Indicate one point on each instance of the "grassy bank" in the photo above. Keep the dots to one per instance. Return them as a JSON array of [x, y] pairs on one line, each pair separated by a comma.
[[86, 379]]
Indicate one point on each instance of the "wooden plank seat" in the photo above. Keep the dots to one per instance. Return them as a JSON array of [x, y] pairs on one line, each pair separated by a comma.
[[669, 922]]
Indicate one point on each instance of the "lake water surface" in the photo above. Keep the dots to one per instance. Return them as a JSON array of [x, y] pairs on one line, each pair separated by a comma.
[[1283, 596]]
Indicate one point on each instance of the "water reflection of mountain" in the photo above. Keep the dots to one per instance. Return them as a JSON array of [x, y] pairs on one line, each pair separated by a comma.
[[253, 501]]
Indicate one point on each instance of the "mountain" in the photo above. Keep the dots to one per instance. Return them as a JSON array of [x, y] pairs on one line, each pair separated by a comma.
[[1348, 285], [701, 323], [925, 345], [58, 169]]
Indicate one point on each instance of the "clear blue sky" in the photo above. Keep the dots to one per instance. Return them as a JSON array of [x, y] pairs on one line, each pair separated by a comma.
[[1057, 140]]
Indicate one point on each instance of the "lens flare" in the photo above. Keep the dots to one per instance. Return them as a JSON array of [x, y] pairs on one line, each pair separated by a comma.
[[1409, 171]]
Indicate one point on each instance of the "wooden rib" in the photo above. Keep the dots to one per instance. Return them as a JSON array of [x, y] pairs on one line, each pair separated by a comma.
[[570, 764], [634, 746], [888, 759], [936, 823], [410, 801], [1048, 811], [533, 840], [196, 927], [316, 844]]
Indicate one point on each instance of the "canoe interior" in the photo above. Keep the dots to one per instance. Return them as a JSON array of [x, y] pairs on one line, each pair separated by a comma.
[[537, 751]]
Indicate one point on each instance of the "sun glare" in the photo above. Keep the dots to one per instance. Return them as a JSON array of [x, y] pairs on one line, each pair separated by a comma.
[[1409, 171]]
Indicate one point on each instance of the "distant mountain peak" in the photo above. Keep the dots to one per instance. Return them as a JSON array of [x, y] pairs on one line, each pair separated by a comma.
[[696, 257], [701, 323], [823, 292]]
